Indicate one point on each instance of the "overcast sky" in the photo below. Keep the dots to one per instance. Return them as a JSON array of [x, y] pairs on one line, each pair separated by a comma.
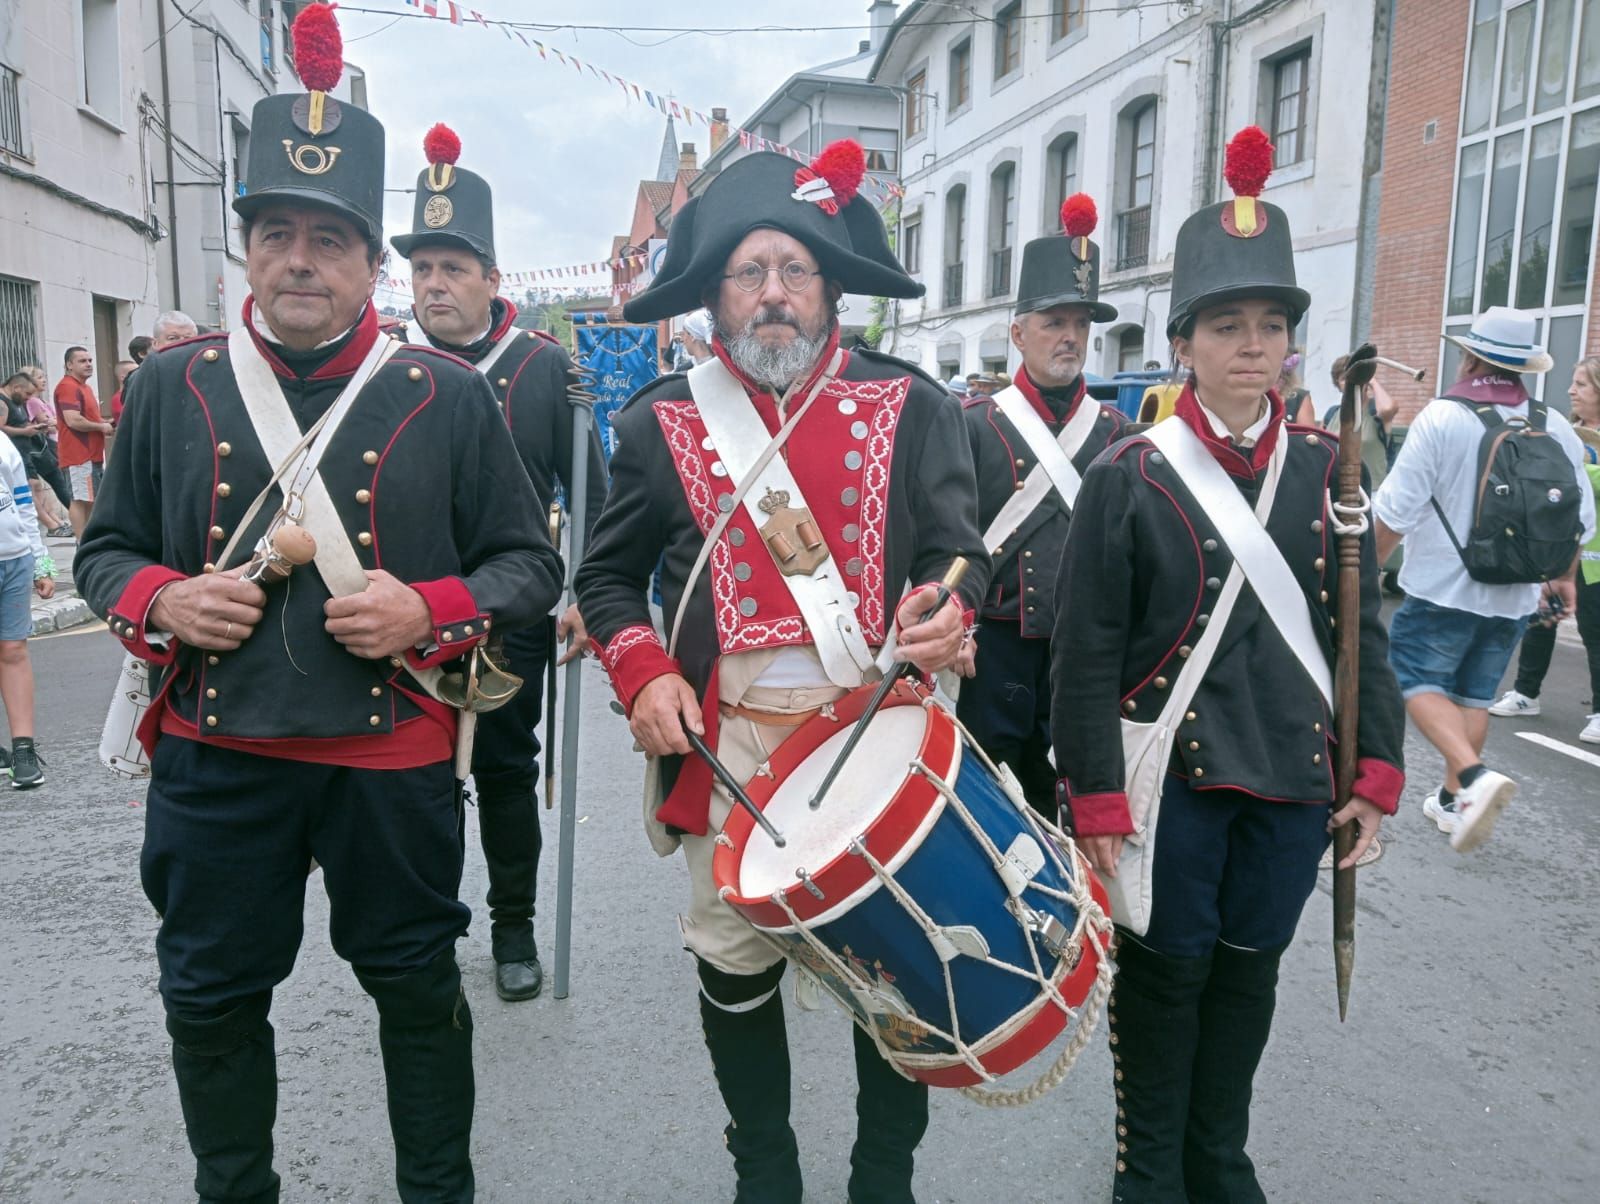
[[564, 151]]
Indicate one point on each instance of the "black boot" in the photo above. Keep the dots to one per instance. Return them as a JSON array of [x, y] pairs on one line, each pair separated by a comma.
[[228, 1087], [1235, 1018], [750, 1055], [1154, 1015], [508, 823], [425, 1032], [891, 1117]]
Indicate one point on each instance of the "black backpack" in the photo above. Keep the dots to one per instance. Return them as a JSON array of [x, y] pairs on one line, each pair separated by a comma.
[[1525, 521]]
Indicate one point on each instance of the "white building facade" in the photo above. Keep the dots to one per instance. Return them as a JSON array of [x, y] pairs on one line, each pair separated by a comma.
[[77, 234], [1007, 115]]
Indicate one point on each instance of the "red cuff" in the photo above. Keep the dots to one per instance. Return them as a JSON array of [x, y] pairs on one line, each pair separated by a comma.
[[1379, 782], [634, 658], [131, 611], [458, 624], [1104, 814]]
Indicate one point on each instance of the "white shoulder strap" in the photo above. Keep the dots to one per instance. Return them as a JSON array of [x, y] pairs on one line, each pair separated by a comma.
[[493, 354], [1054, 455], [1254, 553], [740, 437]]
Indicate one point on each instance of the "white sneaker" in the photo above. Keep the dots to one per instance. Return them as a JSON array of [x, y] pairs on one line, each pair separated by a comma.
[[1441, 815], [1591, 731], [1515, 706], [1477, 807]]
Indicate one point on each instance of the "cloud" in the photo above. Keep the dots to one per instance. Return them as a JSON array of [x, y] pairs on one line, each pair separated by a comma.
[[564, 150]]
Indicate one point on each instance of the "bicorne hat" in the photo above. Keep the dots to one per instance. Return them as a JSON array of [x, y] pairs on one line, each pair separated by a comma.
[[1059, 270], [818, 205], [310, 148], [453, 205], [1236, 249]]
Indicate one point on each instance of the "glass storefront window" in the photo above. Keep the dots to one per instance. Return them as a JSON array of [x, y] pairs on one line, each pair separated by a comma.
[[1538, 214], [1588, 83], [1480, 67], [1555, 48], [1514, 66], [1500, 229], [1469, 208], [1577, 210], [1566, 336]]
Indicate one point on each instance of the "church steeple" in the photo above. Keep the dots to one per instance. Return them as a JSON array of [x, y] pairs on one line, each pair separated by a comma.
[[667, 169]]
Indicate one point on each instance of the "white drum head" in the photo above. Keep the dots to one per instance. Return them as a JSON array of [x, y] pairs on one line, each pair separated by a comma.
[[875, 772]]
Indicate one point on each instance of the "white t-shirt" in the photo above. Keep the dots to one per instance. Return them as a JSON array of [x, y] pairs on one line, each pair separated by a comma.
[[1439, 459]]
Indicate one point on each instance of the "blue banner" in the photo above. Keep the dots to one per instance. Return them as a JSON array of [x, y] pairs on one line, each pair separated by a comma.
[[621, 359]]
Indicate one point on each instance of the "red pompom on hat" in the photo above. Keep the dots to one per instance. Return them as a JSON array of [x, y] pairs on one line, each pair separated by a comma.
[[318, 48], [1248, 162], [1079, 216], [441, 144], [834, 177]]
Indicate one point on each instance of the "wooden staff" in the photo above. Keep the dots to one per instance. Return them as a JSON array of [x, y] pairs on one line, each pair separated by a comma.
[[1346, 686]]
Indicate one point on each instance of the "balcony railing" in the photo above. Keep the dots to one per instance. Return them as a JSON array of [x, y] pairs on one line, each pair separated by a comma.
[[953, 279], [1133, 238], [10, 113], [1000, 272]]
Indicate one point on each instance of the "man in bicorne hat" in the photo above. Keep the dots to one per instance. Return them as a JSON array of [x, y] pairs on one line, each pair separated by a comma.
[[454, 283], [1210, 853], [876, 466], [1031, 443], [310, 719]]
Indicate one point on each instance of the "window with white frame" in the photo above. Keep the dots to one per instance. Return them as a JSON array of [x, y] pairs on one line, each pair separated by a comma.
[[916, 103], [19, 324], [100, 58], [955, 245], [1002, 227], [1061, 176], [1291, 106], [1066, 18], [1527, 170], [1007, 26], [880, 147], [911, 242], [960, 74]]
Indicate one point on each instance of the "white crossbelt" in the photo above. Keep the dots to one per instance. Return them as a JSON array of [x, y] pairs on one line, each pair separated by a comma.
[[1281, 597], [493, 354], [1054, 469], [739, 436]]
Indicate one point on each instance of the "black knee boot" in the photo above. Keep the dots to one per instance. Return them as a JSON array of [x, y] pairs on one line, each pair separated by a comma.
[[228, 1087], [750, 1054], [425, 1032], [1154, 1014], [891, 1117], [1235, 1018], [508, 821]]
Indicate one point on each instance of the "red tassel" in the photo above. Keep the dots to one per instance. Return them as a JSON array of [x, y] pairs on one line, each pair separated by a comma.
[[1079, 216], [318, 48], [441, 144], [844, 165], [1248, 162]]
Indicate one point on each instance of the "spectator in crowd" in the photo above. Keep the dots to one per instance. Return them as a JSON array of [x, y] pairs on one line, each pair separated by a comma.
[[42, 408], [697, 336], [25, 569], [123, 370], [1296, 397], [973, 380], [81, 432], [139, 346], [958, 387], [1539, 641], [30, 435], [174, 326], [1452, 637], [1381, 409]]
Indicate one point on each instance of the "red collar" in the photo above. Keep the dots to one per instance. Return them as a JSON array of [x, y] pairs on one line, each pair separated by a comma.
[[766, 404], [1028, 389], [343, 364], [1187, 408], [508, 318]]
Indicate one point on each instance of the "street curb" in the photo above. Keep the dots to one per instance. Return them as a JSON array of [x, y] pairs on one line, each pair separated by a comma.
[[62, 615]]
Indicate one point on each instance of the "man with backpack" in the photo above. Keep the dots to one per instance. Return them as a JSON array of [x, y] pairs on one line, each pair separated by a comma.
[[1489, 494]]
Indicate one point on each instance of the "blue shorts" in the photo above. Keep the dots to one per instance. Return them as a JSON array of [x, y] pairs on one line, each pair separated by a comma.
[[16, 597], [1437, 650]]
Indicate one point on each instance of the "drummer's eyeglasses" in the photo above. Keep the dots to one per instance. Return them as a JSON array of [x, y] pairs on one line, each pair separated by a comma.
[[748, 277]]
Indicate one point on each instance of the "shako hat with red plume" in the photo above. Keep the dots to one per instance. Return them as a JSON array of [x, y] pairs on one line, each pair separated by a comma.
[[819, 204], [1238, 249], [309, 148], [1063, 267], [453, 205]]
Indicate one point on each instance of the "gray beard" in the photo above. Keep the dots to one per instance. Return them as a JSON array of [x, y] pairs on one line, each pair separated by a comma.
[[775, 368]]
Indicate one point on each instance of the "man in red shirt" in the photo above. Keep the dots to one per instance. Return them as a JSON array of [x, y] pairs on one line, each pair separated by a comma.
[[82, 434]]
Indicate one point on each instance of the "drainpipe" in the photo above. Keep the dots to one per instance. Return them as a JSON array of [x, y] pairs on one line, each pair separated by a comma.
[[172, 181], [1215, 86]]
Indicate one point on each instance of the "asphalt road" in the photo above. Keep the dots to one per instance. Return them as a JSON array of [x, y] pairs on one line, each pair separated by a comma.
[[1461, 1075]]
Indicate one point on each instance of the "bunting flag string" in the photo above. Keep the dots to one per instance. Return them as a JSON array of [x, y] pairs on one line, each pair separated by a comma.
[[447, 10], [536, 276]]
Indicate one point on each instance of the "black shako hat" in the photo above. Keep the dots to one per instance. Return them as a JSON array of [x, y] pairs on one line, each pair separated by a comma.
[[453, 205], [311, 148], [818, 205], [1239, 248], [1064, 269]]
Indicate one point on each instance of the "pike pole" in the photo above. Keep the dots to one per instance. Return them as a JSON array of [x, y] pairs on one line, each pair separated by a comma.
[[551, 624], [581, 397], [1351, 525]]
